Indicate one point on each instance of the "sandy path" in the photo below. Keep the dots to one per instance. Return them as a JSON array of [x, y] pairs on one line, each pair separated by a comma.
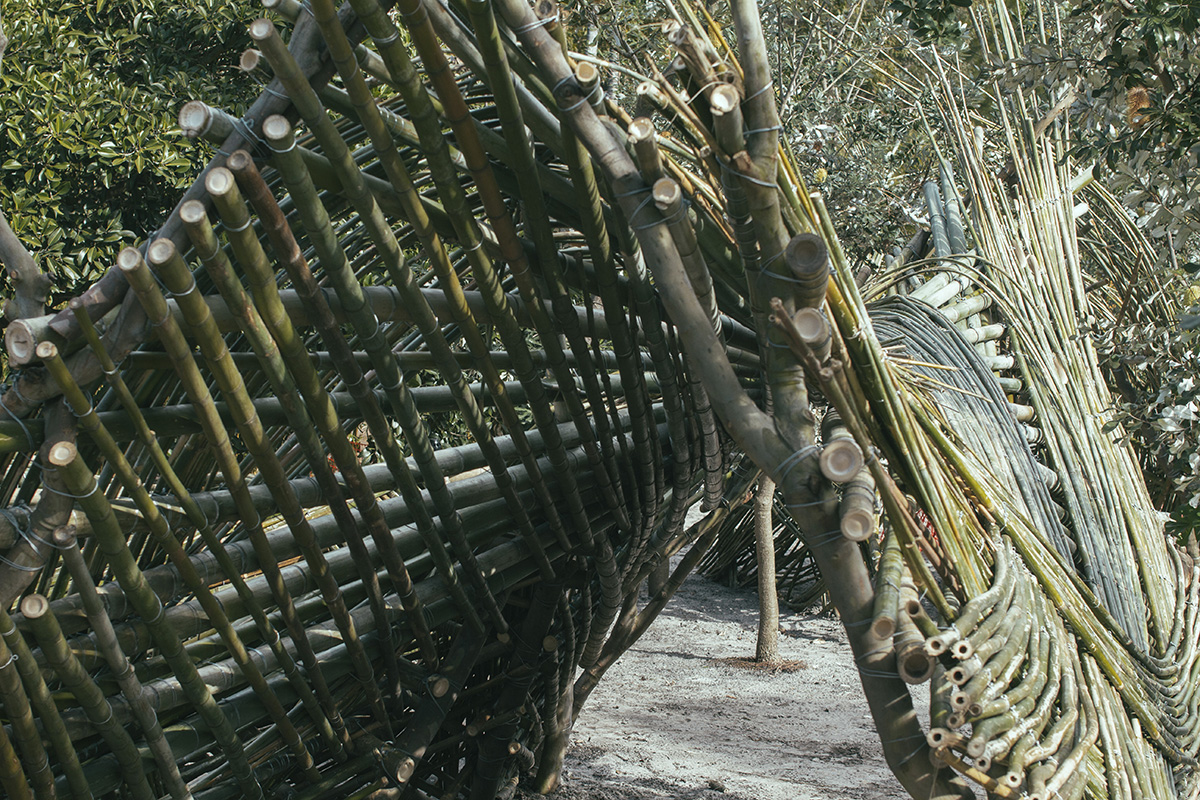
[[675, 719]]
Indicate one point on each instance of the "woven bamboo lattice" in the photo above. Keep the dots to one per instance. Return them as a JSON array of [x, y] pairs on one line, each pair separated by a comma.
[[348, 480]]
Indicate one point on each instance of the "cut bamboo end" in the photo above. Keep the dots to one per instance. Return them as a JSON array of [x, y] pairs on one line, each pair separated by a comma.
[[841, 460], [808, 259], [963, 650], [193, 212], [199, 120], [240, 160], [250, 59], [666, 193], [46, 350], [724, 100], [641, 130], [129, 260], [915, 666], [160, 252], [21, 339], [262, 29], [550, 644], [219, 182], [858, 525], [35, 606], [63, 454], [64, 537], [813, 330], [276, 128], [884, 627], [942, 737], [439, 685]]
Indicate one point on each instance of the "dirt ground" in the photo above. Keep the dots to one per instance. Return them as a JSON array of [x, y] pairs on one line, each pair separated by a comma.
[[674, 718]]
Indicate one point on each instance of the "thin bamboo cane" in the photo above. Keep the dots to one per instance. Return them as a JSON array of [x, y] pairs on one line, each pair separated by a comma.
[[33, 761], [204, 524], [143, 283], [15, 649], [89, 421], [36, 609], [80, 483], [253, 436], [131, 687]]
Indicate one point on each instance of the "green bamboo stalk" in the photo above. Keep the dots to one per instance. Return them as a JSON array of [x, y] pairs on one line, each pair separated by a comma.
[[434, 144], [131, 687], [36, 609], [199, 319], [13, 648], [218, 439], [12, 776], [33, 762], [887, 588], [204, 525], [287, 70], [116, 459], [296, 408], [79, 481]]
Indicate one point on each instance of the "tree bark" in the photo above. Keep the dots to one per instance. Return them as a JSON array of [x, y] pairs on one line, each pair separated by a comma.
[[767, 649]]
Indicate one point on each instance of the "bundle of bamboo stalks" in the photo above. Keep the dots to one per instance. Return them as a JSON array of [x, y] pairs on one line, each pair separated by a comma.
[[436, 227]]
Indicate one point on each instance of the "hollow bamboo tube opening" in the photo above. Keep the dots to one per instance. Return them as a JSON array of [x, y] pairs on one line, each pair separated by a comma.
[[645, 147], [858, 507], [808, 259], [814, 331], [841, 457]]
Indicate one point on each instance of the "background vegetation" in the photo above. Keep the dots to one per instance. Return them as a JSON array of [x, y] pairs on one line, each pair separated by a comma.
[[90, 158]]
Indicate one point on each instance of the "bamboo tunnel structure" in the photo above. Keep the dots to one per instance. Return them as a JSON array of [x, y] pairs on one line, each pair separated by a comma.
[[349, 481]]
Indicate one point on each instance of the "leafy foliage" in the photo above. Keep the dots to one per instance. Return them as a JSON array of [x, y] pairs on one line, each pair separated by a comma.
[[1155, 370], [90, 156]]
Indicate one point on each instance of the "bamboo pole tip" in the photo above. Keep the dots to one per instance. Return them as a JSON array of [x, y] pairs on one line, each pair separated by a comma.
[[811, 325], [64, 537], [261, 29], [841, 460], [641, 129], [46, 350], [438, 685], [240, 160], [586, 73], [724, 99], [276, 128], [219, 182], [129, 259], [35, 606], [806, 253], [20, 343], [193, 212], [666, 191], [160, 252], [76, 303], [194, 118], [550, 644], [858, 525], [62, 454], [250, 59]]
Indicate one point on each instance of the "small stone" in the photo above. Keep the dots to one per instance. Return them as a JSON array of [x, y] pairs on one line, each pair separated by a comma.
[[716, 784]]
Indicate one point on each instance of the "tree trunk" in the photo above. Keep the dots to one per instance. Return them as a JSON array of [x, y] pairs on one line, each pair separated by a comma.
[[767, 650]]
